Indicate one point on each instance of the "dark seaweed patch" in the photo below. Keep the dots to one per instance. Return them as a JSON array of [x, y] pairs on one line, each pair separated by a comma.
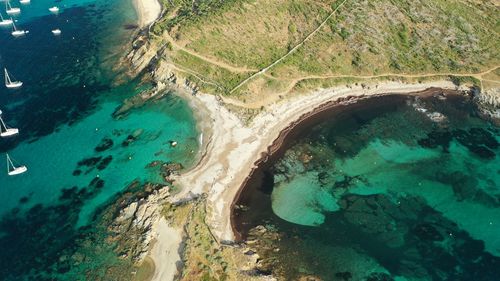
[[104, 162], [437, 138], [427, 232], [105, 144], [24, 200], [89, 162], [402, 233], [379, 276], [97, 183], [479, 141], [344, 276], [130, 139]]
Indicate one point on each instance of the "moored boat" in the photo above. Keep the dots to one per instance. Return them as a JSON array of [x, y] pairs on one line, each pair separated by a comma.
[[9, 83], [11, 10], [12, 170], [54, 9], [6, 131], [4, 22], [16, 32]]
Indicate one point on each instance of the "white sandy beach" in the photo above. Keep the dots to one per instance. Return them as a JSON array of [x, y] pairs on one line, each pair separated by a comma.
[[147, 11], [165, 251], [231, 149], [234, 148]]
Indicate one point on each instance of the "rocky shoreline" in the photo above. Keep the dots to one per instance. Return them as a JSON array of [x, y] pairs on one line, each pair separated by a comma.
[[223, 189]]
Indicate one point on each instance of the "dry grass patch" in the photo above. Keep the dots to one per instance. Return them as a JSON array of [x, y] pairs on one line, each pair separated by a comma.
[[365, 37], [253, 33]]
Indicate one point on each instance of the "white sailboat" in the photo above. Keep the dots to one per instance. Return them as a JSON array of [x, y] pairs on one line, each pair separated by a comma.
[[9, 83], [24, 1], [15, 32], [5, 21], [5, 131], [54, 9], [56, 31], [11, 10], [13, 170]]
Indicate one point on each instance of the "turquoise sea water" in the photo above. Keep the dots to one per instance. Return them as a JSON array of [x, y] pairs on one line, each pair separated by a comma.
[[381, 191], [64, 112]]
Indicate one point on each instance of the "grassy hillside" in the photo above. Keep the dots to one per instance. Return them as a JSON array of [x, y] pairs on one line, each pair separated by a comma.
[[225, 42]]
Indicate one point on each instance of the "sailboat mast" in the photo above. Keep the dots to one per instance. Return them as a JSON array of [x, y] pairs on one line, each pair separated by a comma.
[[9, 163], [7, 78], [2, 123]]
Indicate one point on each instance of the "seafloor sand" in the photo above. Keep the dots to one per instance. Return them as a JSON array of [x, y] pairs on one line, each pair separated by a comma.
[[147, 11], [230, 150]]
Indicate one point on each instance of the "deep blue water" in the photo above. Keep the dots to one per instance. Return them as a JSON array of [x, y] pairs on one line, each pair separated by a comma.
[[64, 112]]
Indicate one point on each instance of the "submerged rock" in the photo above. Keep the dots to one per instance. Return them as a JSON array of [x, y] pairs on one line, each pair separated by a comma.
[[128, 140], [104, 162], [90, 162], [437, 138], [168, 169], [479, 141], [426, 231], [105, 144], [96, 183], [344, 276], [378, 276]]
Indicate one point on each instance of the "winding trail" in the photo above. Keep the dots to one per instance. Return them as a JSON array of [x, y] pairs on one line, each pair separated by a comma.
[[291, 51], [294, 81], [390, 74], [235, 69], [194, 74]]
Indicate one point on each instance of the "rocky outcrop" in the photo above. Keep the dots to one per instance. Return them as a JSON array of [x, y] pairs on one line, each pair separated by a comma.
[[489, 102], [490, 96], [143, 54], [166, 73], [134, 226]]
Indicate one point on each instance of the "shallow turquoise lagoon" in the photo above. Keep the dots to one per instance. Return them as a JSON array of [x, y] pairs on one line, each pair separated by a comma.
[[385, 191], [52, 159]]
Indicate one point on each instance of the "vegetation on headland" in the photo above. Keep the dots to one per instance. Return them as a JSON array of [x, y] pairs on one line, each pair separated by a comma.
[[219, 44], [203, 257]]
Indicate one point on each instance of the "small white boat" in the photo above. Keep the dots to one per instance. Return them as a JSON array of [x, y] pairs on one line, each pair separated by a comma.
[[24, 1], [54, 9], [6, 131], [4, 22], [11, 10], [13, 170], [9, 83], [56, 31], [15, 32]]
